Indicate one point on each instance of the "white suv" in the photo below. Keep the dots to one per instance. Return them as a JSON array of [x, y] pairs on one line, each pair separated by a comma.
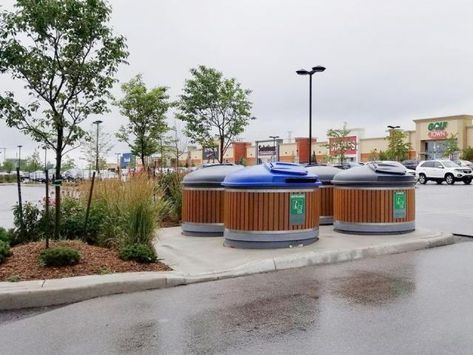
[[442, 170]]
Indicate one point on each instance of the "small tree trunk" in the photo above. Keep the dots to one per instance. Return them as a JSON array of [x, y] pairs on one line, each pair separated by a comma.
[[222, 140], [57, 191]]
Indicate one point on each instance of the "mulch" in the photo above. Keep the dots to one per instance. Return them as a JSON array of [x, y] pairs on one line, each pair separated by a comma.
[[24, 265]]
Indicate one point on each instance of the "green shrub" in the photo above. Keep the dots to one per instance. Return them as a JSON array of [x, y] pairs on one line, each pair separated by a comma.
[[141, 222], [141, 253], [60, 256], [468, 154], [4, 235], [73, 219], [5, 251], [32, 230], [170, 186]]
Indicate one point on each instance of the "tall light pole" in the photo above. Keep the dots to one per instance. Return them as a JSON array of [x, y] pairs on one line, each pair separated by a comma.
[[317, 69], [97, 168], [274, 146], [46, 183]]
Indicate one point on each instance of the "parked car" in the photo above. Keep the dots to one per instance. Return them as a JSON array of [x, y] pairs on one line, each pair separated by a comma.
[[410, 164], [443, 170]]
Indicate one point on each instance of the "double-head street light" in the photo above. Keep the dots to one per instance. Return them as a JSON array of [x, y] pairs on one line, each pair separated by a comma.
[[97, 169], [393, 127], [274, 146], [317, 69]]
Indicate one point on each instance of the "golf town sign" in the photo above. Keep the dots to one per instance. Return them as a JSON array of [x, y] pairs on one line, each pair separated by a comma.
[[437, 130]]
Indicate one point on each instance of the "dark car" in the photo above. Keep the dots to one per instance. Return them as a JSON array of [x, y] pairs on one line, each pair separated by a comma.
[[410, 164]]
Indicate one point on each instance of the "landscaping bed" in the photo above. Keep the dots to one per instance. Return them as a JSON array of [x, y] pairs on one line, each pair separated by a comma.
[[23, 264]]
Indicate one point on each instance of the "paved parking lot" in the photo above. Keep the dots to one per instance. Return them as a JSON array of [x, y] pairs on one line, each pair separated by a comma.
[[443, 207]]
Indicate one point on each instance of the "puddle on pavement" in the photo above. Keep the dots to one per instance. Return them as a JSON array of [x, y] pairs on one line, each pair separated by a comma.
[[371, 288], [263, 318]]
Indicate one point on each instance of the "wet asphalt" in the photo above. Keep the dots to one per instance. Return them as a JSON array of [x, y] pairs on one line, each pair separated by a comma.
[[412, 303]]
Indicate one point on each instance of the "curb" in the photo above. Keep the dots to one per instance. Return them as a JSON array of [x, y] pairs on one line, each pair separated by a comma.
[[41, 293]]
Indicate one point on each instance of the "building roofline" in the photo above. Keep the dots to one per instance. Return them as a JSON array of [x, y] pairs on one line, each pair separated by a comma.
[[448, 118]]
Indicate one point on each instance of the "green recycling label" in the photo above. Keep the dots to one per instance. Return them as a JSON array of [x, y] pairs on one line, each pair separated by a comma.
[[297, 209], [399, 204]]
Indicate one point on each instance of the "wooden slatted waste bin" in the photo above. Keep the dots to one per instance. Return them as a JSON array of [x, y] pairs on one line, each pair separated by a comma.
[[378, 198], [202, 200], [274, 205], [326, 175]]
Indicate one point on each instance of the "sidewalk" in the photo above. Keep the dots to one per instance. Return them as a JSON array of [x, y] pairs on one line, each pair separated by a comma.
[[194, 256], [199, 259]]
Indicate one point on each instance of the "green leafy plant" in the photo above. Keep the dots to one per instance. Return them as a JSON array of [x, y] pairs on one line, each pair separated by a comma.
[[141, 253], [5, 251], [59, 256], [4, 235], [213, 106], [169, 185], [398, 147], [468, 154], [66, 55], [103, 271], [145, 109], [31, 230], [13, 278]]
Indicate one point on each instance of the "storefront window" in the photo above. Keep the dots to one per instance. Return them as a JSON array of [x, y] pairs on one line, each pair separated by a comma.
[[435, 149]]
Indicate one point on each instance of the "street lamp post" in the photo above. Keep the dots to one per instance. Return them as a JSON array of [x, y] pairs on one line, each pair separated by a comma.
[[274, 157], [97, 168], [317, 69]]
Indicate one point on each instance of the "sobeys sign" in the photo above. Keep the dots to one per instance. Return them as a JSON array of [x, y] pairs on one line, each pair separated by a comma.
[[437, 130], [296, 209]]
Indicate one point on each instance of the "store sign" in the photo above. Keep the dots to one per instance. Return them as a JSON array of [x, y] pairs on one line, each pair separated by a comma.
[[437, 130], [399, 204], [265, 150], [347, 144], [297, 209]]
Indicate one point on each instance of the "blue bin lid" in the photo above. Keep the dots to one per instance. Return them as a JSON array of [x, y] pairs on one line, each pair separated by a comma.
[[272, 175]]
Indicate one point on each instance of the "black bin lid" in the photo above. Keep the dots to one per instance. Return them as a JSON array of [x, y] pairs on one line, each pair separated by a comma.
[[325, 173], [210, 176], [376, 174]]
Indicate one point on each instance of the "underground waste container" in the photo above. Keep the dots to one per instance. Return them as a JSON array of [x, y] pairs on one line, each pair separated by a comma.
[[273, 205], [326, 175], [377, 198], [202, 200]]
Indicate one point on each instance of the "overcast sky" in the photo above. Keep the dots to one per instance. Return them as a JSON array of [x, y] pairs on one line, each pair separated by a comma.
[[388, 62]]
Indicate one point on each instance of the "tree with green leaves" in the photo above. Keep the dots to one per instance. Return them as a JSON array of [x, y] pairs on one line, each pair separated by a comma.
[[89, 148], [213, 107], [69, 163], [339, 143], [8, 166], [65, 53], [146, 112], [33, 163], [451, 147], [398, 147]]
